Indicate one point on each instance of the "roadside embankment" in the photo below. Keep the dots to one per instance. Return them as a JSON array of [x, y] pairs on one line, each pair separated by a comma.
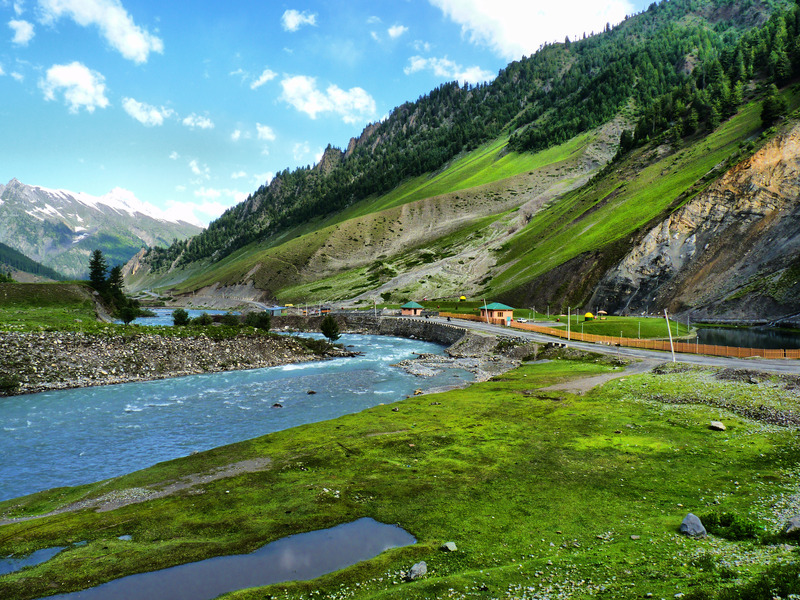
[[36, 362]]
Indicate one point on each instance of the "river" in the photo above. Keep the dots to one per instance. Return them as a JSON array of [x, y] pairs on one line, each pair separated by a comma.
[[71, 437]]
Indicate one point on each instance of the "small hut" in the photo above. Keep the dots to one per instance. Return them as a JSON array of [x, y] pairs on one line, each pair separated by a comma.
[[411, 309], [495, 310]]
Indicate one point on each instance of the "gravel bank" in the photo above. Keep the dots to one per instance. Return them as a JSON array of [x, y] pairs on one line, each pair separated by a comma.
[[37, 362]]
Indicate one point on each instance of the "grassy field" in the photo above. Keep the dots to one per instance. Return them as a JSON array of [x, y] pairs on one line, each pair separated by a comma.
[[57, 305], [546, 494]]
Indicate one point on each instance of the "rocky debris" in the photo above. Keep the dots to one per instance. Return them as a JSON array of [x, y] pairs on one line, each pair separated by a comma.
[[693, 527], [717, 426], [36, 362], [792, 526], [416, 571], [449, 547]]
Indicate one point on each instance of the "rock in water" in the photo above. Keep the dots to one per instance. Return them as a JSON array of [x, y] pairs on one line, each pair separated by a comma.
[[693, 527], [417, 571]]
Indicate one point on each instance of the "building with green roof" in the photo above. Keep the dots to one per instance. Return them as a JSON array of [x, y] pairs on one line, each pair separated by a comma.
[[411, 309]]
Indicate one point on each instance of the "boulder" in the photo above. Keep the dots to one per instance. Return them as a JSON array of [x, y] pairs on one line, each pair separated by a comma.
[[417, 571], [693, 527], [717, 426], [449, 547], [792, 525]]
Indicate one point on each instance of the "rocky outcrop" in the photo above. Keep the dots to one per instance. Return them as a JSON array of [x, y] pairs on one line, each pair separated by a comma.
[[35, 362], [731, 250]]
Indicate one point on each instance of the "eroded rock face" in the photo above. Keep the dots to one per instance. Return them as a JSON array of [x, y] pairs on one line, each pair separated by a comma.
[[732, 249]]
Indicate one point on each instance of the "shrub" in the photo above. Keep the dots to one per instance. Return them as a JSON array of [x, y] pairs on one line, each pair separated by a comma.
[[730, 526], [9, 384], [330, 328], [203, 320], [259, 320], [230, 320], [180, 317]]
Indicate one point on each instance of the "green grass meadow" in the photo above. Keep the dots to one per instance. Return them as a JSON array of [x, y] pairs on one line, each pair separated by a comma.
[[547, 494]]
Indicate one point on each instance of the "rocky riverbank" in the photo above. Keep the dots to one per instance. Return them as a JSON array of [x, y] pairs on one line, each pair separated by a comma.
[[37, 362]]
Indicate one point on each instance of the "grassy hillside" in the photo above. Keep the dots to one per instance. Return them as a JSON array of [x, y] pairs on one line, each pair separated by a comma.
[[650, 182], [46, 305], [421, 221]]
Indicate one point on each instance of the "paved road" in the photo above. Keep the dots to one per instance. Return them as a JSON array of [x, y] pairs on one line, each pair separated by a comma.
[[785, 366]]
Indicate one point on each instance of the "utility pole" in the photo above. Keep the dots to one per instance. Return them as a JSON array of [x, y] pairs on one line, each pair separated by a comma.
[[569, 318], [669, 331]]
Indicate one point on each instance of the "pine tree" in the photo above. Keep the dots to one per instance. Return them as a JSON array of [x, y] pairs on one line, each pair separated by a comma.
[[97, 271]]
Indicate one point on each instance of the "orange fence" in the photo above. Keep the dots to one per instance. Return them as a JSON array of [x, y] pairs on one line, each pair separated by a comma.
[[685, 347]]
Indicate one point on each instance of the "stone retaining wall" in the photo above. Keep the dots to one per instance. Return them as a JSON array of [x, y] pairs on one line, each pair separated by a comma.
[[429, 331]]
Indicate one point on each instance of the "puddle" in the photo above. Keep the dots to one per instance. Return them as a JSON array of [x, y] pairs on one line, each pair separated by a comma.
[[297, 557], [9, 565]]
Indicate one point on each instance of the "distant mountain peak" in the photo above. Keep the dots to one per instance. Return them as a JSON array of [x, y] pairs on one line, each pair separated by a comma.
[[118, 199], [60, 228]]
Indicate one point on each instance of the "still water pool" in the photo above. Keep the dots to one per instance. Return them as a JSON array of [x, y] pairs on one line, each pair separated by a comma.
[[70, 437], [301, 556]]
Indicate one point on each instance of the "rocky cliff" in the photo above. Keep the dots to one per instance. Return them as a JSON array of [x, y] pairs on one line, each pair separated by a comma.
[[732, 250]]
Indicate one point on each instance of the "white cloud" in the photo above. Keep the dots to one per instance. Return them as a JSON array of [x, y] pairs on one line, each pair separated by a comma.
[[395, 31], [375, 36], [174, 155], [16, 75], [199, 121], [265, 132], [203, 172], [292, 20], [267, 75], [113, 21], [512, 28], [23, 32], [353, 105], [238, 175], [2, 72], [236, 135], [421, 46], [146, 114], [200, 214], [82, 87], [446, 68], [301, 150], [19, 8]]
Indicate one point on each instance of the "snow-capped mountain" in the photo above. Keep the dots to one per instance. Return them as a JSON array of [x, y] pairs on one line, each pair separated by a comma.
[[60, 229]]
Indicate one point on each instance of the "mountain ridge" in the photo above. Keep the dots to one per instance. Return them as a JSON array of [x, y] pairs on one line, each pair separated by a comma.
[[60, 229]]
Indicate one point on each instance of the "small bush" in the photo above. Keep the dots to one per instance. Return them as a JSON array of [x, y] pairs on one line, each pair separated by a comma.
[[180, 317], [730, 526], [9, 384], [330, 328], [229, 320], [260, 320], [203, 320], [317, 346]]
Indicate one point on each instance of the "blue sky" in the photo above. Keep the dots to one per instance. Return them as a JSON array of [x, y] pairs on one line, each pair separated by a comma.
[[190, 106]]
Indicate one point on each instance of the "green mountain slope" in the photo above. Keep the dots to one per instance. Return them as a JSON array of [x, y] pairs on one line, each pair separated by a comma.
[[503, 189], [14, 261]]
